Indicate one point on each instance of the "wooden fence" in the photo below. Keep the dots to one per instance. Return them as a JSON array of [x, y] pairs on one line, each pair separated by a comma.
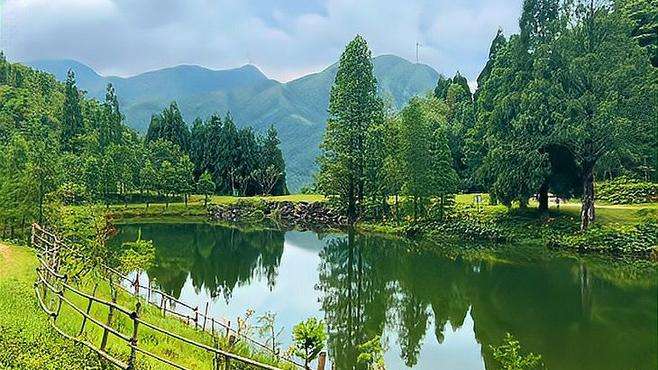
[[51, 283]]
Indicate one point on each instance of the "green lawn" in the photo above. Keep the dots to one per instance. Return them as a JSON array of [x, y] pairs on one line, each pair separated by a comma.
[[196, 212]]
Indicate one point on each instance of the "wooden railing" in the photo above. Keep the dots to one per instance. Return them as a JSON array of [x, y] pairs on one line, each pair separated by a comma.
[[50, 282]]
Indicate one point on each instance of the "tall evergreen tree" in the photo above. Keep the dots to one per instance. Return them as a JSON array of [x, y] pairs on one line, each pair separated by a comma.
[[353, 108], [169, 125], [72, 124]]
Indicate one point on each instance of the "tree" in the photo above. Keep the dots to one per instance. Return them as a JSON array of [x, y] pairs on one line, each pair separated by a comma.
[[607, 88], [536, 19], [169, 125], [353, 108], [644, 15], [205, 186], [272, 167], [308, 339], [424, 154], [198, 148], [72, 125]]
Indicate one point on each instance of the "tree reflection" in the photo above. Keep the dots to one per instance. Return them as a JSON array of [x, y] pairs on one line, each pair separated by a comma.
[[218, 259], [373, 286]]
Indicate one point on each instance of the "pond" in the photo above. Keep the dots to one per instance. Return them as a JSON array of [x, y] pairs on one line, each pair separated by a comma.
[[433, 310]]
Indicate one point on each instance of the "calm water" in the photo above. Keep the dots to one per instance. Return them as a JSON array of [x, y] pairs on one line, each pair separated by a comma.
[[432, 311]]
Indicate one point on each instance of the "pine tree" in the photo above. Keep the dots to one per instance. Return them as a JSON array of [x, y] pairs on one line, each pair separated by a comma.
[[353, 108], [72, 124]]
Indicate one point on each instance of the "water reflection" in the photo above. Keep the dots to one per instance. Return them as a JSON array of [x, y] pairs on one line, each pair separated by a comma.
[[433, 311], [217, 259]]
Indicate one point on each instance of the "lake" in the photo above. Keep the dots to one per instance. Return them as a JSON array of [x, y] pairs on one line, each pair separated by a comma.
[[433, 310]]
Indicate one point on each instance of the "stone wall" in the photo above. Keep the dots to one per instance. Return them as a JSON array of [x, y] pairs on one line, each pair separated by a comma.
[[298, 215]]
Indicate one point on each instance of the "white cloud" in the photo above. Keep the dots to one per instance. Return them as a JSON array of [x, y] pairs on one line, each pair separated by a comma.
[[285, 39]]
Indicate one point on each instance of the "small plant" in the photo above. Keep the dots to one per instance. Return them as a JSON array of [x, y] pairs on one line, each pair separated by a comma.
[[509, 355], [308, 339], [244, 326], [371, 353], [267, 330]]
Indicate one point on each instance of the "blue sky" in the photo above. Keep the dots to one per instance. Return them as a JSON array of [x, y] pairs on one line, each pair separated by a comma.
[[286, 39]]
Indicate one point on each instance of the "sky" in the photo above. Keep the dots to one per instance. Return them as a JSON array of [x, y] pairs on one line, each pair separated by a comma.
[[286, 39]]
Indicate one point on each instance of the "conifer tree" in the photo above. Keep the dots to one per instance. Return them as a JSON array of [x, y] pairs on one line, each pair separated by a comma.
[[353, 108], [72, 124]]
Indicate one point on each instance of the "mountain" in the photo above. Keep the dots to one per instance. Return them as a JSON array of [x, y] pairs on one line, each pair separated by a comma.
[[297, 108]]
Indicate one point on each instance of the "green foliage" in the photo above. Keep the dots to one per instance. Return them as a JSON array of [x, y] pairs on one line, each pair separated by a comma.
[[26, 337], [371, 353], [644, 16], [136, 255], [621, 240], [347, 147], [625, 190], [509, 355], [239, 161], [169, 126], [205, 186], [308, 339]]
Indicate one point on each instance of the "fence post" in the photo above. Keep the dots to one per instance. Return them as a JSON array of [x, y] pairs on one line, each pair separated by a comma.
[[84, 317], [228, 328], [231, 342], [321, 360], [60, 294], [215, 342], [133, 340], [148, 292], [205, 316], [136, 284], [196, 317], [110, 315]]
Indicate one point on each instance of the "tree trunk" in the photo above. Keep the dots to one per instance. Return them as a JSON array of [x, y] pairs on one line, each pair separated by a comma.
[[543, 197], [587, 208]]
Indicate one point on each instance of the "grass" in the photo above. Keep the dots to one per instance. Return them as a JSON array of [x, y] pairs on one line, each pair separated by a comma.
[[27, 340]]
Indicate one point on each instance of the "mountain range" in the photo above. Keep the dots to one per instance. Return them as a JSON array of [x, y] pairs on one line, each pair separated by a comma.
[[297, 108]]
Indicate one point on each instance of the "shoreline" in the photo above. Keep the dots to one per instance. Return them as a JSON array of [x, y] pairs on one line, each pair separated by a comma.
[[486, 224]]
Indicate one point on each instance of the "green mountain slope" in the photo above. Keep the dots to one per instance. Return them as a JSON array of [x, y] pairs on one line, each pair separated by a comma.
[[297, 108]]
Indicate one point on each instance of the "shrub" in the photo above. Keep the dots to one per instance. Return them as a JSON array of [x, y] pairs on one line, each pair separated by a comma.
[[640, 240], [625, 190], [509, 355], [309, 337]]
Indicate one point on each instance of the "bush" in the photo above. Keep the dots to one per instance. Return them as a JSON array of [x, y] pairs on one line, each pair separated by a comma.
[[625, 190], [638, 240]]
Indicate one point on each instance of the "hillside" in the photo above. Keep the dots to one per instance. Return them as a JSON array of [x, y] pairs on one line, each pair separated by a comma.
[[297, 108]]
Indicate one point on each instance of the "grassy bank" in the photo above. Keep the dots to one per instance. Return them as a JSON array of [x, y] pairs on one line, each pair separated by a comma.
[[468, 221], [28, 341]]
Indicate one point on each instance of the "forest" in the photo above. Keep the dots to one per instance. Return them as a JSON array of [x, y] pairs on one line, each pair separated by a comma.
[[60, 147], [570, 99]]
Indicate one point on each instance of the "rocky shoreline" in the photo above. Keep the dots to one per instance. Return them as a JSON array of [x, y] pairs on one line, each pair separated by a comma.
[[293, 215]]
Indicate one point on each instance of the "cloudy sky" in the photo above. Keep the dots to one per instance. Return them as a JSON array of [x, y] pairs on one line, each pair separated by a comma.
[[285, 39]]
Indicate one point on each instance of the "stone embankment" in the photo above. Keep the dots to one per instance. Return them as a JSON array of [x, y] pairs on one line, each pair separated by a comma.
[[298, 215]]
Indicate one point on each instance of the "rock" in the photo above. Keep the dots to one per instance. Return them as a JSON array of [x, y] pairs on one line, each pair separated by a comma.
[[297, 215]]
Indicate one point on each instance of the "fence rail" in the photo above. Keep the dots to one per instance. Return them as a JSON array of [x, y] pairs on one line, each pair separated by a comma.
[[50, 282]]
